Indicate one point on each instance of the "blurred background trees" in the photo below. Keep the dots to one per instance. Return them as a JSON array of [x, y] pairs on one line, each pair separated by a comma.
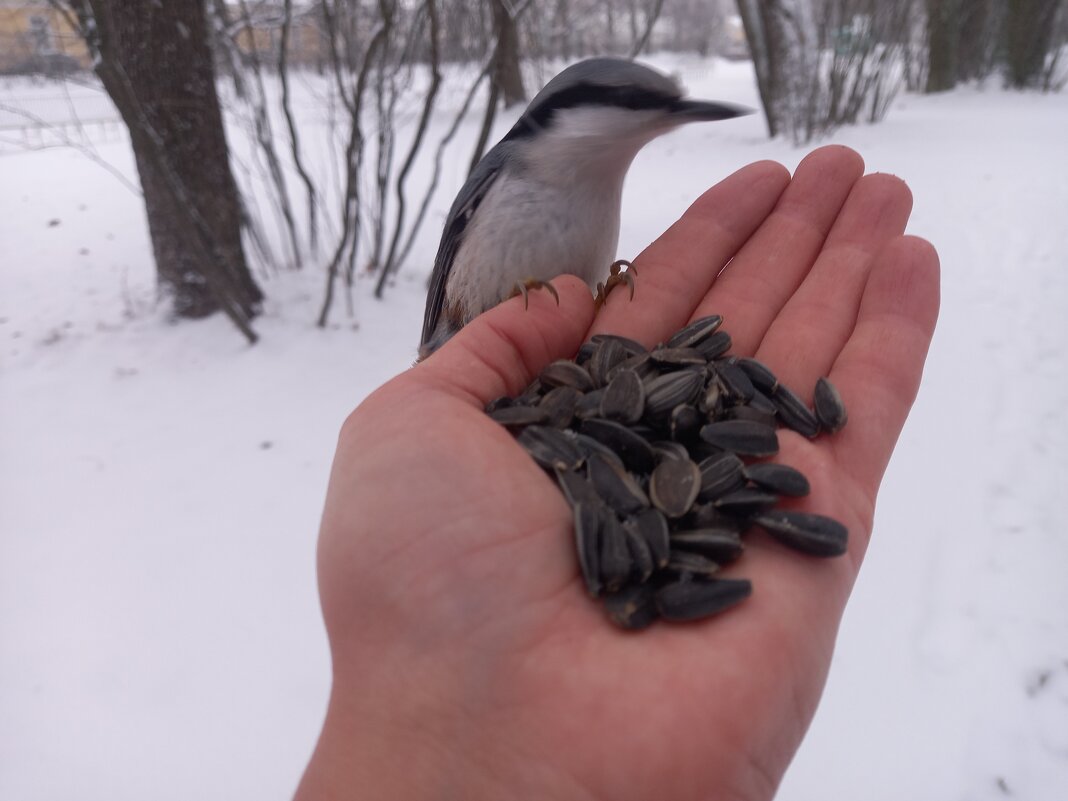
[[395, 82], [155, 63]]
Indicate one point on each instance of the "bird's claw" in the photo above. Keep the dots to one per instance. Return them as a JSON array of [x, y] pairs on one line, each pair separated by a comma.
[[523, 288], [615, 278]]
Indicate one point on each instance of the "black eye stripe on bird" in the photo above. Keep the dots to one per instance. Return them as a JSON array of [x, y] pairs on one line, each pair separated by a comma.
[[552, 189]]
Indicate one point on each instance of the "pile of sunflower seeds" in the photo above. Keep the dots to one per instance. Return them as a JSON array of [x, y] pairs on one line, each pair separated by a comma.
[[654, 451]]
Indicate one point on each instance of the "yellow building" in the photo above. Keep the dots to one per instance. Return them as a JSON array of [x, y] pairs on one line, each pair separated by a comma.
[[35, 38]]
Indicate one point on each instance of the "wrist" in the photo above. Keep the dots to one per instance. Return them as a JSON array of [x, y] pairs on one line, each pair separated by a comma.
[[402, 737]]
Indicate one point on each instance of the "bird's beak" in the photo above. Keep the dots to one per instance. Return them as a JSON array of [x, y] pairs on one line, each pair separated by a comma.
[[705, 111]]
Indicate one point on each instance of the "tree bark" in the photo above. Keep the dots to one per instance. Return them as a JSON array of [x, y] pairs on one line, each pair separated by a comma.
[[759, 49], [155, 63], [943, 40], [1029, 27], [778, 58], [975, 48], [507, 76]]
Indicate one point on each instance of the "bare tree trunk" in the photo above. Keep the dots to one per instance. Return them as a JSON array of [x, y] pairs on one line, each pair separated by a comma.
[[1029, 28], [294, 141], [610, 25], [392, 264], [264, 135], [651, 16], [975, 49], [761, 46], [353, 103], [487, 126], [507, 77], [154, 62], [561, 28], [943, 39]]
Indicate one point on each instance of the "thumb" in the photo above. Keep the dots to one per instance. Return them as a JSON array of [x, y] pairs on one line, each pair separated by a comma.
[[503, 349]]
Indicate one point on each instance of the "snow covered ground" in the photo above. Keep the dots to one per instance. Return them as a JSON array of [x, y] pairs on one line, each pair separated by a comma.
[[160, 485]]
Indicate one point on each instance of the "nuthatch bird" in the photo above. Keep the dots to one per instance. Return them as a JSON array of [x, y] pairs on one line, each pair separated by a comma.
[[546, 199]]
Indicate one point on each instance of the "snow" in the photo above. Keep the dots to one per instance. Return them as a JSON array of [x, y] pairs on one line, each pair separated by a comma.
[[160, 484]]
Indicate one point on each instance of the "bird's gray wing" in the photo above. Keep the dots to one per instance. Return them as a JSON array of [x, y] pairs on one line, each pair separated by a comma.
[[463, 208]]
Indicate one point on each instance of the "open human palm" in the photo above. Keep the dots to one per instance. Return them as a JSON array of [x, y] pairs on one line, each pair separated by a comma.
[[468, 662]]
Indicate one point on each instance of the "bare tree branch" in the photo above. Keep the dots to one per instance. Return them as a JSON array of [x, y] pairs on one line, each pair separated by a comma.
[[651, 16], [417, 142], [294, 142], [354, 149]]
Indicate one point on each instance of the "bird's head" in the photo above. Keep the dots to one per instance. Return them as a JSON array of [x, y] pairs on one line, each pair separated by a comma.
[[601, 111]]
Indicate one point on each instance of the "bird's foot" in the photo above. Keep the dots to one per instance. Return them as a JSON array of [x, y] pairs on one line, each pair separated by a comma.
[[523, 287], [615, 278]]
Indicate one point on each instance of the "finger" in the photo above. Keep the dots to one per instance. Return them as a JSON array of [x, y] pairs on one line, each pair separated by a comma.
[[878, 372], [805, 339], [676, 270], [764, 275], [502, 350]]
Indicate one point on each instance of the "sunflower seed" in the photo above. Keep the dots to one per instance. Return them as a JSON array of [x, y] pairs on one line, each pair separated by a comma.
[[551, 448], [719, 544], [696, 332], [750, 413], [706, 515], [653, 528], [779, 478], [624, 398], [816, 535], [532, 394], [759, 373], [565, 373], [742, 436], [615, 561], [640, 554], [763, 403], [638, 363], [616, 487], [684, 422], [590, 446], [559, 405], [677, 357], [588, 544], [585, 351], [694, 564], [630, 346], [712, 400], [648, 433], [829, 407], [666, 449], [635, 452], [663, 393], [499, 403], [589, 405], [715, 345], [692, 600], [793, 412], [745, 502], [631, 608], [720, 474], [673, 486], [518, 415], [609, 353], [736, 382], [577, 488]]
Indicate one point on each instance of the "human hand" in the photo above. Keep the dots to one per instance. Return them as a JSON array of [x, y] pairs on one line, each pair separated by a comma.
[[468, 662]]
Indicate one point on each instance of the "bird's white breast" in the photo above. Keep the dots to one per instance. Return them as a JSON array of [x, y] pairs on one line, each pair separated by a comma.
[[525, 228]]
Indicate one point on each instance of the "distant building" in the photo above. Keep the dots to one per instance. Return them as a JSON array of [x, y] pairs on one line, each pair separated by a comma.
[[258, 29], [35, 39]]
